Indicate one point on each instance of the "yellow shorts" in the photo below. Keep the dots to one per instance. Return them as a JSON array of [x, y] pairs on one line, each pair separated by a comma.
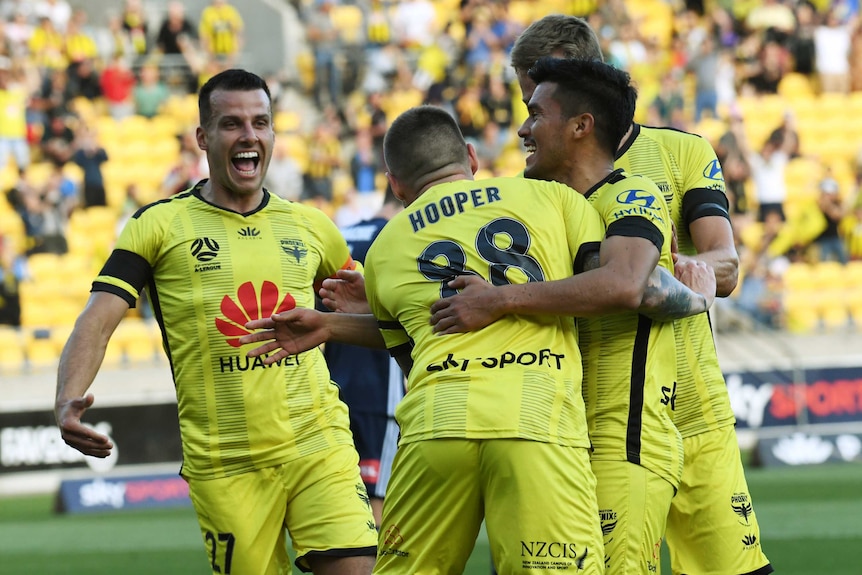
[[538, 501], [633, 505], [319, 497], [711, 528]]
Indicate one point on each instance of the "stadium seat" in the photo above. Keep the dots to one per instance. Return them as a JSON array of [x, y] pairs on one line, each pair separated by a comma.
[[12, 357], [800, 313], [42, 352], [43, 267], [794, 85], [135, 337]]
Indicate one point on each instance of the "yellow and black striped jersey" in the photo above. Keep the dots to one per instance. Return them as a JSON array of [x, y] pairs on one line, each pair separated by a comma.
[[629, 359], [519, 377], [687, 172], [208, 271]]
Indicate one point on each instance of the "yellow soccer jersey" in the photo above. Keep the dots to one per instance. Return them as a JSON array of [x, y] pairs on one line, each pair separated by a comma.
[[687, 172], [519, 377], [629, 360], [208, 271]]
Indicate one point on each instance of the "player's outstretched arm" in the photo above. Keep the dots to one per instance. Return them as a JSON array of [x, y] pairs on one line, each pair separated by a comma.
[[79, 363], [302, 329], [345, 293]]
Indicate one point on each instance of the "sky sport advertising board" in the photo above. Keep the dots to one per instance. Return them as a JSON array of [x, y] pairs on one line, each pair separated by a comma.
[[775, 398]]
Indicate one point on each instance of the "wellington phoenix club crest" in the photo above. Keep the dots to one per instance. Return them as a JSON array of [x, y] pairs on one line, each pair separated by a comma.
[[247, 306]]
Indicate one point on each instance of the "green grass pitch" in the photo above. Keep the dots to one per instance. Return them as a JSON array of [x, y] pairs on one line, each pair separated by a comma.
[[810, 517]]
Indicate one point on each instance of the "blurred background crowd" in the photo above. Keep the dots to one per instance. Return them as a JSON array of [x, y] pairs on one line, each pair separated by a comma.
[[98, 110]]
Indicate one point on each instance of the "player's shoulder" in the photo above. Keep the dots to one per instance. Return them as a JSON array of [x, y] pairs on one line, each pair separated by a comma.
[[675, 141], [165, 207]]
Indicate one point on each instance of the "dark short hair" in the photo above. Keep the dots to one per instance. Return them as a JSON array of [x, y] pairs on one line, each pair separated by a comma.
[[555, 35], [422, 140], [590, 86], [233, 80]]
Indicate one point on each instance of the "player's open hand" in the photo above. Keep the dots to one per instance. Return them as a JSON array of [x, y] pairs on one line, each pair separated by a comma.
[[471, 309], [345, 293], [75, 433], [697, 275], [286, 333]]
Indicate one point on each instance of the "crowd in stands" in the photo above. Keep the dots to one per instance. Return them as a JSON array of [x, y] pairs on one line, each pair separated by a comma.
[[753, 76]]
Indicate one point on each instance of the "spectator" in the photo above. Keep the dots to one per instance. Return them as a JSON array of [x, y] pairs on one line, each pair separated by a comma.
[[117, 82], [47, 212], [801, 45], [734, 166], [84, 81], [324, 157], [668, 104], [13, 120], [177, 39], [324, 39], [221, 32], [413, 24], [113, 40], [767, 172], [18, 32], [79, 45], [59, 12], [57, 140], [135, 24], [150, 93], [704, 67], [832, 52], [830, 244], [363, 164], [47, 47], [90, 156]]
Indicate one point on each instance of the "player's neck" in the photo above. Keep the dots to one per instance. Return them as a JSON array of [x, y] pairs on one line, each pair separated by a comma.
[[239, 202]]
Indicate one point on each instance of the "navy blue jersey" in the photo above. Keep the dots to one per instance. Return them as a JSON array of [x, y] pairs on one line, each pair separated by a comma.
[[370, 380]]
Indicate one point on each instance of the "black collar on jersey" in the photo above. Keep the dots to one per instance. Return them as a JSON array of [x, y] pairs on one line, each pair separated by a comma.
[[636, 129], [196, 192], [611, 178]]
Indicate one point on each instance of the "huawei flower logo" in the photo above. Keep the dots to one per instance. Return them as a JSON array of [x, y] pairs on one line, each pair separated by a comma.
[[248, 307]]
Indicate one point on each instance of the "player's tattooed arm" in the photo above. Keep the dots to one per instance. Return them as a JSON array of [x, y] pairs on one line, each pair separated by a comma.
[[691, 292], [592, 261]]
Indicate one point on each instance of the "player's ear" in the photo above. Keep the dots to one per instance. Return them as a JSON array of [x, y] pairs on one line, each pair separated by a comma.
[[582, 124], [397, 190], [473, 158], [201, 137]]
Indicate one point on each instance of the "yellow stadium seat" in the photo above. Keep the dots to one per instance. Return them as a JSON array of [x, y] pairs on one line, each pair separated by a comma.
[[135, 337], [794, 85], [42, 267], [42, 353], [798, 277], [12, 355]]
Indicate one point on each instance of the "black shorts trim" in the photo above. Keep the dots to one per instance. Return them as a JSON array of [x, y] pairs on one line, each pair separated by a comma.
[[765, 570], [302, 564]]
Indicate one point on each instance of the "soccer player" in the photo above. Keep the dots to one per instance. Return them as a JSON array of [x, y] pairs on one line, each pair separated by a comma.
[[264, 447], [370, 381], [711, 527], [629, 362]]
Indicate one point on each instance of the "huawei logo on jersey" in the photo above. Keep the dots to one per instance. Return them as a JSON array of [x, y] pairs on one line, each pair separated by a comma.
[[249, 305]]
